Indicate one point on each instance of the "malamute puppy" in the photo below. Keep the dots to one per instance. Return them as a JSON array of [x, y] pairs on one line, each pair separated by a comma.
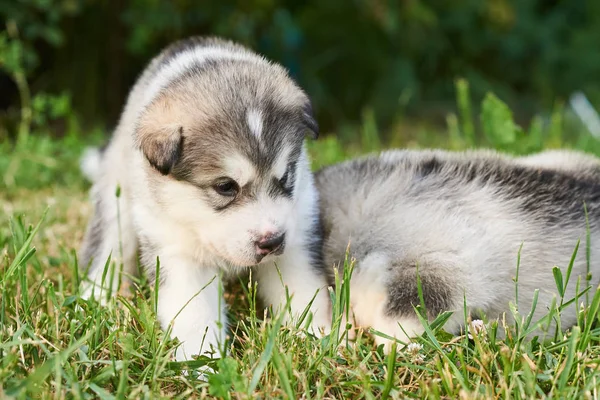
[[460, 221], [213, 177]]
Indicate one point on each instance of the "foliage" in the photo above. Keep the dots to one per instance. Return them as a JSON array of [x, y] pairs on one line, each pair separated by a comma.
[[389, 56]]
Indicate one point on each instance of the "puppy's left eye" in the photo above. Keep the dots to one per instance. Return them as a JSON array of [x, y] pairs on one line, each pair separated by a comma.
[[284, 181], [284, 178]]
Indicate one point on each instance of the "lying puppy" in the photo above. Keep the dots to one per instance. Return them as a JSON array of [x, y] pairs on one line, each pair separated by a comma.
[[460, 219], [213, 178]]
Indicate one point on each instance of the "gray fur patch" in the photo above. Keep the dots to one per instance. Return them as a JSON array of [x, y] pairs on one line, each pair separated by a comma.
[[552, 196], [93, 238], [403, 295], [314, 246]]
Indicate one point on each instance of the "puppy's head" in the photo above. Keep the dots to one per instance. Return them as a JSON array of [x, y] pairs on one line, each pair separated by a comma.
[[224, 146]]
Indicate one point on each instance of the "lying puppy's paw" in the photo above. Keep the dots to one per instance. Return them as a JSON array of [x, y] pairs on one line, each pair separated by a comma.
[[202, 373]]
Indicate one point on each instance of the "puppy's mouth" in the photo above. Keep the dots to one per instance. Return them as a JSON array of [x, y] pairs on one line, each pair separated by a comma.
[[277, 251]]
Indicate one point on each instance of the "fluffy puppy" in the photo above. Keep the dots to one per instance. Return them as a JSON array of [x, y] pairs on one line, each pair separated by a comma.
[[212, 177], [459, 220]]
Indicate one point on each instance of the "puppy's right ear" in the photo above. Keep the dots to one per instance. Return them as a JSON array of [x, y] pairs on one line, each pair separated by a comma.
[[161, 145]]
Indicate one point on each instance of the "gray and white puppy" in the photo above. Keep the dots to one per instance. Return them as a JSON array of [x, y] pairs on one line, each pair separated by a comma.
[[460, 219], [214, 178]]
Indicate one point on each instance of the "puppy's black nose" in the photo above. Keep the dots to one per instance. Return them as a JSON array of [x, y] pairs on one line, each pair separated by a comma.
[[269, 244]]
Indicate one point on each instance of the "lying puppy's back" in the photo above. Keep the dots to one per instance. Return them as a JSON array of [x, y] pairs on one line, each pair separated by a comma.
[[461, 219], [580, 164]]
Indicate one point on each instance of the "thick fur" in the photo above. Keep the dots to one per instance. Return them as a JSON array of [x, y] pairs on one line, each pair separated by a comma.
[[204, 112], [460, 220]]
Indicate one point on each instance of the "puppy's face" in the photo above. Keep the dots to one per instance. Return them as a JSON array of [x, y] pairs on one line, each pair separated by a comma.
[[244, 206], [230, 164]]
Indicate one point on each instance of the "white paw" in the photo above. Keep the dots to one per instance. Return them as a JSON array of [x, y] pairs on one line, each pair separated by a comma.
[[91, 290], [401, 342], [187, 353], [188, 349], [350, 332], [202, 373], [321, 323], [401, 330]]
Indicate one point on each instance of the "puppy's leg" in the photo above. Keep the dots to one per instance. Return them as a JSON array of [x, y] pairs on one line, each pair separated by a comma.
[[384, 293], [110, 234], [302, 281], [190, 298]]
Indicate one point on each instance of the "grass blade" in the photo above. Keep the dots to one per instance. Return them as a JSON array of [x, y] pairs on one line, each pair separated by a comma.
[[24, 253]]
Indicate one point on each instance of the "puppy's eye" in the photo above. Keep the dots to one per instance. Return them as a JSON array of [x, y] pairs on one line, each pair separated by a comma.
[[284, 178], [284, 181], [227, 187]]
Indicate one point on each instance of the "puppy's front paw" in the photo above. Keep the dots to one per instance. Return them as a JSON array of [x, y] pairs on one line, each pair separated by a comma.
[[188, 353], [320, 325], [350, 331], [92, 290], [201, 373], [188, 349], [401, 329]]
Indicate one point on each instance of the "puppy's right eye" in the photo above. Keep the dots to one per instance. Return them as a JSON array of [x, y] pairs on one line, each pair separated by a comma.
[[227, 188]]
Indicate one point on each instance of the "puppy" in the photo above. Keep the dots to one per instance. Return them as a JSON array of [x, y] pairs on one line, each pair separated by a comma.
[[207, 175], [459, 220]]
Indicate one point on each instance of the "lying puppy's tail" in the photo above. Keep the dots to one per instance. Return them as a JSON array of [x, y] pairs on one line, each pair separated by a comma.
[[90, 162]]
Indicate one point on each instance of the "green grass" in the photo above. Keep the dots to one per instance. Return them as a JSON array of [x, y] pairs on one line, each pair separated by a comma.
[[55, 345]]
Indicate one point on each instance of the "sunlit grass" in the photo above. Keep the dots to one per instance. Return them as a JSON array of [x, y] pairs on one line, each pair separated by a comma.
[[53, 344]]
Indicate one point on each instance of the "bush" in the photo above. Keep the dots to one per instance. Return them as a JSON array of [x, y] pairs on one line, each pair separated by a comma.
[[398, 57]]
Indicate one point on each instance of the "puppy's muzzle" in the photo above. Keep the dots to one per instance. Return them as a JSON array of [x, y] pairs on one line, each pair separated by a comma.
[[272, 244]]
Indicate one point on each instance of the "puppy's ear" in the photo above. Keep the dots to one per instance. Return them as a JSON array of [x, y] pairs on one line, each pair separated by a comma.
[[159, 133], [161, 145], [309, 120]]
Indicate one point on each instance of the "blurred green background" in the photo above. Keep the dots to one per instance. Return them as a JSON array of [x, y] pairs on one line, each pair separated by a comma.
[[394, 62]]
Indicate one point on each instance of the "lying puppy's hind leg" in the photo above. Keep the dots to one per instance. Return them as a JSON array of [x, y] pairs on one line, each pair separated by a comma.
[[385, 293]]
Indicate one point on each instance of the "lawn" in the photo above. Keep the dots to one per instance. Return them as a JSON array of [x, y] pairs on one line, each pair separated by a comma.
[[55, 345]]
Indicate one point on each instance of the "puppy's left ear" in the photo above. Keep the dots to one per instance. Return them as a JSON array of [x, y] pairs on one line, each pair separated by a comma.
[[309, 120]]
